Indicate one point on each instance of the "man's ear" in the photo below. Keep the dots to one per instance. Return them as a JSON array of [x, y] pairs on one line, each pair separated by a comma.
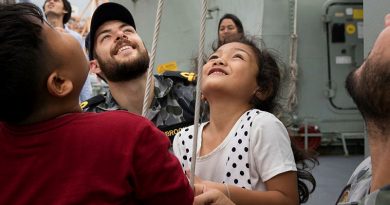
[[58, 85]]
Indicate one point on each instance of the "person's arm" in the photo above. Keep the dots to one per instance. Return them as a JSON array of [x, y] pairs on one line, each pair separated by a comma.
[[158, 178], [281, 189], [273, 160]]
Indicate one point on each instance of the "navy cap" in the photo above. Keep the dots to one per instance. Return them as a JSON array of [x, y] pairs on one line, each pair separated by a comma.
[[106, 12]]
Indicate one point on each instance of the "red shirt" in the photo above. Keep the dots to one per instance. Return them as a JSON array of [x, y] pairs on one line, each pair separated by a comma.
[[90, 158]]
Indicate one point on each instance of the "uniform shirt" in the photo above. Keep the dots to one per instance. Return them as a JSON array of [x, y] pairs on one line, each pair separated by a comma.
[[90, 158], [378, 197], [256, 149], [172, 106], [358, 185]]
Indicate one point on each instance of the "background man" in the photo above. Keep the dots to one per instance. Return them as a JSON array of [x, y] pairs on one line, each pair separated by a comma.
[[118, 55]]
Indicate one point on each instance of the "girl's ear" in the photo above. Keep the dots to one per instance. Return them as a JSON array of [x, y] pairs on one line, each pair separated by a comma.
[[58, 85], [262, 94]]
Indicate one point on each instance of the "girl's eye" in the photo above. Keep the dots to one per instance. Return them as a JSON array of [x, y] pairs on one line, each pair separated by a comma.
[[238, 56], [213, 57]]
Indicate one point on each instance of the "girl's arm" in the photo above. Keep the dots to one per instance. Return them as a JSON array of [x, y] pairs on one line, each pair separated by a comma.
[[281, 189]]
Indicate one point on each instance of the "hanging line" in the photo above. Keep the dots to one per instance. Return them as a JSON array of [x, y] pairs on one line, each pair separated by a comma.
[[197, 103], [152, 58], [292, 94]]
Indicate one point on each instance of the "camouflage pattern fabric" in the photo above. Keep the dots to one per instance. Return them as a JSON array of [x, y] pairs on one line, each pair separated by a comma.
[[358, 186], [173, 104], [379, 197]]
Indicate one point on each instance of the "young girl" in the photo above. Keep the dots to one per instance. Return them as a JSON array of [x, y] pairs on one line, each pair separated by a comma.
[[244, 150]]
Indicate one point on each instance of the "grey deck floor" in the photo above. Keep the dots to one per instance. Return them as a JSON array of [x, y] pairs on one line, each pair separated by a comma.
[[331, 175]]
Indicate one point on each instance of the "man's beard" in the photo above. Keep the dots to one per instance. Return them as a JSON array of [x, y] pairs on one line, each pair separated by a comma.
[[121, 72], [370, 91]]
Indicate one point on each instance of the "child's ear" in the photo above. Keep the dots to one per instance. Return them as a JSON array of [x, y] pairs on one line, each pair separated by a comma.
[[58, 85], [262, 94], [94, 67]]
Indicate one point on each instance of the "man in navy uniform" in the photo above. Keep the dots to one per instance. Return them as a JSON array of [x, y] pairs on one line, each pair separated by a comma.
[[118, 56]]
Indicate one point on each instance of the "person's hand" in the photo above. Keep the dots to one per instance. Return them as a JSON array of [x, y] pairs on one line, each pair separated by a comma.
[[212, 196], [197, 180]]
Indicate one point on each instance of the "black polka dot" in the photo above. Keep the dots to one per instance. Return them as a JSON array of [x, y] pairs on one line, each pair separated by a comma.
[[182, 142], [249, 181], [233, 149], [228, 174], [242, 173], [247, 165], [182, 164], [246, 149], [234, 165], [186, 129], [247, 113], [250, 125], [190, 136], [235, 134], [240, 157], [228, 158], [179, 135], [239, 141], [257, 112], [185, 157], [249, 118], [236, 181], [187, 150], [246, 133], [190, 159], [242, 126]]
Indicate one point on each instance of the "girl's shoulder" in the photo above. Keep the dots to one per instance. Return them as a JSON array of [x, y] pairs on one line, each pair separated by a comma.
[[263, 116]]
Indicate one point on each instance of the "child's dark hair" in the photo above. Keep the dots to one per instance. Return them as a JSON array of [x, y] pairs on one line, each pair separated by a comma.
[[268, 80], [21, 60]]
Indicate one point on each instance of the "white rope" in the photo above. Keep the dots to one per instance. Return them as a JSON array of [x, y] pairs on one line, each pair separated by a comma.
[[292, 94], [152, 57], [197, 103]]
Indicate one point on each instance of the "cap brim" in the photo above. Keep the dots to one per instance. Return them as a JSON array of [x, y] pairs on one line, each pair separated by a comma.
[[107, 12]]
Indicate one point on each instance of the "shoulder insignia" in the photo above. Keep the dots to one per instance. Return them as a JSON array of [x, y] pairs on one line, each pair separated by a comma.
[[183, 75], [92, 102]]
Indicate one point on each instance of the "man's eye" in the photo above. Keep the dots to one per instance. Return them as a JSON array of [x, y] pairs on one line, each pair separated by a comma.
[[106, 37]]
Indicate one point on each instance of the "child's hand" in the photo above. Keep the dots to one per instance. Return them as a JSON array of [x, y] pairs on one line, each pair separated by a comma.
[[212, 196], [197, 180], [199, 189]]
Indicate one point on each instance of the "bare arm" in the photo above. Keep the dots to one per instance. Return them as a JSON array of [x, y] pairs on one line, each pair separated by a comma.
[[281, 189]]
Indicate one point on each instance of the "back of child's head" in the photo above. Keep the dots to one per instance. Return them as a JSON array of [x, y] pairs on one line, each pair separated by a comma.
[[22, 66]]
